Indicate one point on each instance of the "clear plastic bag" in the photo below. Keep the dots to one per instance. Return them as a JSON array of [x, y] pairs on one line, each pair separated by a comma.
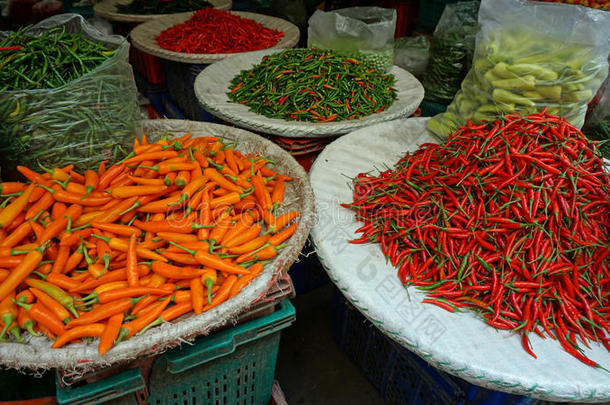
[[88, 120], [597, 125], [366, 33], [451, 51], [412, 54], [530, 56]]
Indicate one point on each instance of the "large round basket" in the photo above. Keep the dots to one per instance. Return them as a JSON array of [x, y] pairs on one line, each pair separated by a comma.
[[143, 36], [36, 353], [212, 86], [107, 9], [458, 343]]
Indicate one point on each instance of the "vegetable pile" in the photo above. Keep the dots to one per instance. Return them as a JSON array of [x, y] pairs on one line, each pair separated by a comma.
[[451, 51], [181, 225], [516, 72], [312, 85], [64, 100], [161, 6], [510, 219], [47, 61], [215, 31]]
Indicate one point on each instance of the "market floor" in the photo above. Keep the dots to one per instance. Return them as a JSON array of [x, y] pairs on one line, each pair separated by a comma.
[[310, 368]]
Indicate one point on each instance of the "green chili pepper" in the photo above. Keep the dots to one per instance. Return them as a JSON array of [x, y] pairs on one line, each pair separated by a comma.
[[313, 85]]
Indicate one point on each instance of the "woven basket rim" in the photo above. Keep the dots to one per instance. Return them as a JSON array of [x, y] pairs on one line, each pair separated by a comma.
[[83, 358], [107, 10], [143, 37]]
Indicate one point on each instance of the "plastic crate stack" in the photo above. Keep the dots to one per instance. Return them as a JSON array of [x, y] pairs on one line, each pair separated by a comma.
[[307, 272], [148, 70], [400, 376], [182, 102], [230, 366], [304, 150]]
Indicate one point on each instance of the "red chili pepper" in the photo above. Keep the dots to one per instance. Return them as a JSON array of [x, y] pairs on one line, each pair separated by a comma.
[[511, 217], [216, 31]]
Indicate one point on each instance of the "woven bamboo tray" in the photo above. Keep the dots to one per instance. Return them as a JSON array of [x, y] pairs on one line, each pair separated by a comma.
[[143, 36], [83, 358], [107, 9], [212, 86], [458, 343]]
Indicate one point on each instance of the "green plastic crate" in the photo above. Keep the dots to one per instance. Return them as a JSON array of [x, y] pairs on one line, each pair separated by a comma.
[[233, 366], [119, 387]]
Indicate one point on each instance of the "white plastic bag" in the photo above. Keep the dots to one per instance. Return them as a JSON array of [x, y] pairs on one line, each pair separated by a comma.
[[366, 33], [530, 56], [412, 54]]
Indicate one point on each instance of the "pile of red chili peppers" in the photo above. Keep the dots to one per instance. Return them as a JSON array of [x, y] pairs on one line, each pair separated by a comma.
[[510, 219], [216, 31]]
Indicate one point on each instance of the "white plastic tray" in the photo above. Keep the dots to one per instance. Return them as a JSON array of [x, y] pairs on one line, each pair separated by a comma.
[[212, 86], [458, 343]]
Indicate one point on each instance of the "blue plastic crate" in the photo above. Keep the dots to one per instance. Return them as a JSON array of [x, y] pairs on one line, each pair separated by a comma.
[[153, 92], [171, 110], [180, 83], [400, 376], [307, 273]]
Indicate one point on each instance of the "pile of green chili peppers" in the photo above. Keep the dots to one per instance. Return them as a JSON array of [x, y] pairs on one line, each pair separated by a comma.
[[47, 61], [60, 104], [312, 85], [450, 57], [161, 7]]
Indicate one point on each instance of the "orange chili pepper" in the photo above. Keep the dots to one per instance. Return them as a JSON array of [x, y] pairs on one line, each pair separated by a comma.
[[58, 310], [14, 208], [44, 317], [280, 237], [131, 191], [223, 293], [19, 273], [197, 295], [147, 181], [57, 210], [132, 263], [91, 330], [143, 322], [175, 272], [110, 333], [243, 281], [15, 237], [59, 225], [117, 229]]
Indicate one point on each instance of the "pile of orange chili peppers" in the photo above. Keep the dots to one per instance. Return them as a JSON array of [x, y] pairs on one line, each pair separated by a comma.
[[181, 225]]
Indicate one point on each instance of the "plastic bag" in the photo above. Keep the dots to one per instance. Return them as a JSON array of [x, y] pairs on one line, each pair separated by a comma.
[[451, 51], [597, 125], [530, 56], [412, 54], [88, 120], [366, 33]]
